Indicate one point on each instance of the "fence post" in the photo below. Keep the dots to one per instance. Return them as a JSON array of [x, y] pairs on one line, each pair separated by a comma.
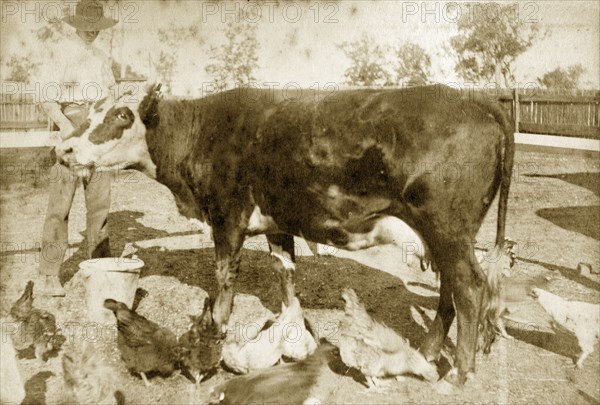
[[517, 108]]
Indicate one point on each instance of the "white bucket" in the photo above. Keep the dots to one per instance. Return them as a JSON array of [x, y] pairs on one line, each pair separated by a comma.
[[109, 277]]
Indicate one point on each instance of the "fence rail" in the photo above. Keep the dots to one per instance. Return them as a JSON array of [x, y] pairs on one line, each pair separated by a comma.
[[535, 111]]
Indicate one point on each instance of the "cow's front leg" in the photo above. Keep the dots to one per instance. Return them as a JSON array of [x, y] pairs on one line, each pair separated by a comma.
[[282, 249], [228, 246]]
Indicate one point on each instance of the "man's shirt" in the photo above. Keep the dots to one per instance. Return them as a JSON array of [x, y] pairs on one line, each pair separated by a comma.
[[78, 73]]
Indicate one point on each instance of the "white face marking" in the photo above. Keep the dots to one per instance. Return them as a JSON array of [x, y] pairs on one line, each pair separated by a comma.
[[127, 150]]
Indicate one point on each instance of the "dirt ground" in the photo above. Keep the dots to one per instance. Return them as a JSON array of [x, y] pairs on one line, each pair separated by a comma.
[[554, 215]]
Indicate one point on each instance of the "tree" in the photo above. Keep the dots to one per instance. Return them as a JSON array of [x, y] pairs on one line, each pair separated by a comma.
[[367, 63], [488, 42], [171, 40], [21, 68], [562, 78], [236, 61], [413, 65]]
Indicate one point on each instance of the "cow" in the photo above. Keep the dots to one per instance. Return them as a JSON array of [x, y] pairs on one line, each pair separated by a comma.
[[331, 169]]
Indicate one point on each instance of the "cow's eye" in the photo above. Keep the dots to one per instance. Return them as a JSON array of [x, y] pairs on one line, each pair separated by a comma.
[[122, 116]]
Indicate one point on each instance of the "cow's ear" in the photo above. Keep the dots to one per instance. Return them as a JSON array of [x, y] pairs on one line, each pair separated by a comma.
[[148, 109]]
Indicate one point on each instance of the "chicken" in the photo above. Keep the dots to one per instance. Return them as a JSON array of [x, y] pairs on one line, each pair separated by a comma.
[[24, 305], [202, 345], [298, 341], [263, 349], [145, 346], [37, 326], [375, 349], [579, 318], [88, 379], [290, 383]]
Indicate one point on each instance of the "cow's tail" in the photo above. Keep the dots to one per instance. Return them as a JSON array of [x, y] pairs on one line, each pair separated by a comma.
[[492, 304]]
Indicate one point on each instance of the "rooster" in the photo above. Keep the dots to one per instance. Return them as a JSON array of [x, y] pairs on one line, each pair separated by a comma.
[[145, 346], [290, 383], [37, 326], [88, 380], [580, 318], [265, 348], [202, 344], [376, 350]]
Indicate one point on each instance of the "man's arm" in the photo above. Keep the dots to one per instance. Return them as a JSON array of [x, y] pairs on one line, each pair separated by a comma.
[[54, 112]]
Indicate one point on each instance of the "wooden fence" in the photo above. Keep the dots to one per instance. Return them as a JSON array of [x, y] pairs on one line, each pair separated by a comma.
[[20, 112], [535, 111]]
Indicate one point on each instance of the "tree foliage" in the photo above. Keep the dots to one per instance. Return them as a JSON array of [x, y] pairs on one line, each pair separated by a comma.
[[21, 68], [236, 61], [489, 40], [367, 63], [171, 40], [413, 65], [562, 78]]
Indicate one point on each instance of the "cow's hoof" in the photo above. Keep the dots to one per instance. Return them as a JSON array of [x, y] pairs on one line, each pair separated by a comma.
[[456, 379]]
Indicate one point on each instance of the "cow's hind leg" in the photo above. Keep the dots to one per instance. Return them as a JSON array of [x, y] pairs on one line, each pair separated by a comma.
[[282, 250], [432, 345], [467, 292]]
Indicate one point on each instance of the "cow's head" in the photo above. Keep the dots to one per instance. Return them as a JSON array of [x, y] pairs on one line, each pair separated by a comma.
[[114, 136]]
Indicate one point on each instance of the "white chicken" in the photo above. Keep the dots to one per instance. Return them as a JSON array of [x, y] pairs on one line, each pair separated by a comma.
[[265, 348], [580, 318], [376, 350], [298, 341]]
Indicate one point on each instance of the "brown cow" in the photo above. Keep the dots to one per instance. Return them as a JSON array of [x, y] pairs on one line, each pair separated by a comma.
[[331, 171]]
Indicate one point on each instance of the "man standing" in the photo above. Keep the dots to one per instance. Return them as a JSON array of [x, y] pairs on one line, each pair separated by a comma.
[[84, 75]]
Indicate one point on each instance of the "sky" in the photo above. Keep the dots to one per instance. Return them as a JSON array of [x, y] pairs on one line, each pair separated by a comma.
[[298, 40]]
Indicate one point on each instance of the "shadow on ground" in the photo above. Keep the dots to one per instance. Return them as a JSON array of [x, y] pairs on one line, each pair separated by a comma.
[[35, 388], [583, 220], [319, 281], [567, 273], [589, 180]]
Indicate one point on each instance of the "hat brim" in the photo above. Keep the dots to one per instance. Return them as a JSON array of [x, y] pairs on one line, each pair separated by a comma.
[[85, 24]]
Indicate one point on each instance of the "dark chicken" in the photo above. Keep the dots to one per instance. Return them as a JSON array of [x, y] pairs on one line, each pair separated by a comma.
[[201, 346], [22, 307], [145, 346], [291, 383], [37, 326]]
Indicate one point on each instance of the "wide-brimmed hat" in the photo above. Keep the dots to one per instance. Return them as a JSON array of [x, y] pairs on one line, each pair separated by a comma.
[[89, 16]]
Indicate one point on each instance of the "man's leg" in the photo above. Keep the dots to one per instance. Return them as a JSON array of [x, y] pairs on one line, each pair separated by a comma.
[[55, 235], [97, 201]]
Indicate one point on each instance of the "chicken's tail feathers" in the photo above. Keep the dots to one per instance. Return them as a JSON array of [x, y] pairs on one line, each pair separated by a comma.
[[354, 308], [22, 306], [293, 312], [28, 290]]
